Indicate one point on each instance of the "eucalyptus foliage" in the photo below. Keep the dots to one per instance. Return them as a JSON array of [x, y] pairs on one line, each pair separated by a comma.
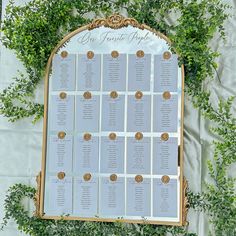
[[34, 29]]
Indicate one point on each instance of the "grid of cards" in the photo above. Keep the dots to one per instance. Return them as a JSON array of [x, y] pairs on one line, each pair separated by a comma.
[[112, 148]]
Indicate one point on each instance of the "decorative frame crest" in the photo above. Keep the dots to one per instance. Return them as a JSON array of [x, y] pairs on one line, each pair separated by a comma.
[[115, 21]]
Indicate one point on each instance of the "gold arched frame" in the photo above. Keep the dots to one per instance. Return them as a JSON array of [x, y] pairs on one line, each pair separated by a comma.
[[114, 22]]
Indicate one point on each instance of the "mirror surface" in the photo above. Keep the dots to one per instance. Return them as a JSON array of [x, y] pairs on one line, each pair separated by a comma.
[[62, 172]]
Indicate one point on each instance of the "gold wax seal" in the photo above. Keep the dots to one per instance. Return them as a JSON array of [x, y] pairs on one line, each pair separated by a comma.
[[61, 175], [113, 177], [114, 54], [165, 136], [90, 54], [166, 95], [61, 135], [139, 178], [87, 136], [113, 94], [87, 95], [63, 95], [138, 95], [166, 55], [112, 136], [140, 53], [165, 179], [138, 135], [87, 176], [64, 54]]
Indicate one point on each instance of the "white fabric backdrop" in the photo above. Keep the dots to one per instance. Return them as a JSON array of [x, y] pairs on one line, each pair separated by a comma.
[[21, 142]]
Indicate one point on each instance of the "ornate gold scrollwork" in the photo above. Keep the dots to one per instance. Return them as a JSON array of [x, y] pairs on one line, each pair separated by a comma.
[[115, 21], [37, 195], [185, 201]]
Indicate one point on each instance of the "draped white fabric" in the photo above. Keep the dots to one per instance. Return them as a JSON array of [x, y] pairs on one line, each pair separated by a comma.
[[21, 142]]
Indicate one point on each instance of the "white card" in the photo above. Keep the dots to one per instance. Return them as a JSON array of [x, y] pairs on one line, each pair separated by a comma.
[[112, 155], [165, 114], [165, 198], [87, 114], [139, 114], [139, 72], [114, 72], [138, 198], [112, 197], [86, 197], [113, 113], [60, 153], [61, 115], [63, 73], [165, 73], [59, 196], [138, 156], [165, 156], [89, 73], [86, 155]]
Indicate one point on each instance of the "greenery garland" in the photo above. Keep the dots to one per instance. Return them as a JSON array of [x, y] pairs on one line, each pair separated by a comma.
[[33, 30]]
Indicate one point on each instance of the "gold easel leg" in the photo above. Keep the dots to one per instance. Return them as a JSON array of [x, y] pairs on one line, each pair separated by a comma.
[[37, 195]]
